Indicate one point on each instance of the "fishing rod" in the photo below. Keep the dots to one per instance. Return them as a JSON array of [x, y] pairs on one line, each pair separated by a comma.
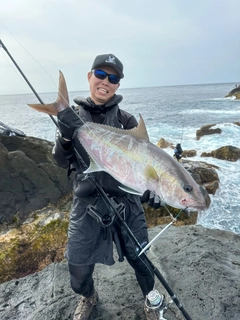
[[25, 78], [113, 208]]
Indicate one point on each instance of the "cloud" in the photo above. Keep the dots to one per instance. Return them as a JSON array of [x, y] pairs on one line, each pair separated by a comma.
[[160, 42]]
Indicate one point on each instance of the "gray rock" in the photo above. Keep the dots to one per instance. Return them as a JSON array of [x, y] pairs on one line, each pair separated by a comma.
[[203, 173], [189, 153], [202, 266], [234, 92], [29, 178], [229, 153], [206, 130]]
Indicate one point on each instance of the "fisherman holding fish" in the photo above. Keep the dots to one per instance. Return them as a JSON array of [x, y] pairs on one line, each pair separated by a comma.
[[92, 229], [116, 167]]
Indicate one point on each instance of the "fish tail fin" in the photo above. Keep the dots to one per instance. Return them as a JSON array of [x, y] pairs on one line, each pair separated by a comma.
[[60, 104]]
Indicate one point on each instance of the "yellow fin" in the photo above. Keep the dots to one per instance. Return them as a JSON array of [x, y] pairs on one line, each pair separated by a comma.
[[151, 173]]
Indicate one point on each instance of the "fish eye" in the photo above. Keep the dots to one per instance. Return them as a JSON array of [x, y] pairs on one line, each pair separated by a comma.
[[187, 188]]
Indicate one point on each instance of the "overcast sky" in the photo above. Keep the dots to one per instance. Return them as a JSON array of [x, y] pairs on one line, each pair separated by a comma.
[[160, 42]]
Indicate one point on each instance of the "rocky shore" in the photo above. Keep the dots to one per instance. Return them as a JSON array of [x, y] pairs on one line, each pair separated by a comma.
[[201, 265]]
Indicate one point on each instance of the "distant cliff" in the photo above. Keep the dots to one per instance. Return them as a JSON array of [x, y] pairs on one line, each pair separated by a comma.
[[235, 92]]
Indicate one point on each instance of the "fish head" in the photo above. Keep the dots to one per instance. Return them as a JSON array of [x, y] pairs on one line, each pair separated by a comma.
[[180, 190]]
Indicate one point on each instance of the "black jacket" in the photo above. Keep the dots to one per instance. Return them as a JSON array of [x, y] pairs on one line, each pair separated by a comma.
[[65, 156]]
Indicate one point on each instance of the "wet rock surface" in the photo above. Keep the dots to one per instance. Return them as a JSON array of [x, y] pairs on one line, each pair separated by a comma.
[[207, 130], [229, 153], [29, 178], [191, 258], [202, 266]]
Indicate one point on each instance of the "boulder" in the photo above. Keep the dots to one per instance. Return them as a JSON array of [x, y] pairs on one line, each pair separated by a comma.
[[200, 265], [229, 153], [189, 153], [203, 173], [162, 143], [29, 178], [206, 130]]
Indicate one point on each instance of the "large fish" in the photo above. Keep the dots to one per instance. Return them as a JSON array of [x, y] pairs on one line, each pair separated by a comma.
[[129, 157]]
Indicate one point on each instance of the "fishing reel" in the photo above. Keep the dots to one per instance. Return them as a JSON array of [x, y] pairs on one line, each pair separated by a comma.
[[157, 301], [164, 308]]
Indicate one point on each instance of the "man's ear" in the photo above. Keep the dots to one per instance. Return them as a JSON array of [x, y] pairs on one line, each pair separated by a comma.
[[89, 75]]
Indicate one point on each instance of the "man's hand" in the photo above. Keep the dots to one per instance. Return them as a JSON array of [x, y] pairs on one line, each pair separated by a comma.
[[152, 199], [68, 122]]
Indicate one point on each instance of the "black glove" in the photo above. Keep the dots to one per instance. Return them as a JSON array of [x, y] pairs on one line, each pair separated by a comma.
[[152, 199], [68, 122]]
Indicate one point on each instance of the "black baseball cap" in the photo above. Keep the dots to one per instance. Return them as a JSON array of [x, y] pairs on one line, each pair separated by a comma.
[[109, 60]]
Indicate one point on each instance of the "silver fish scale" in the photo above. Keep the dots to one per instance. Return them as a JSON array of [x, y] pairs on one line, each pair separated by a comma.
[[139, 165]]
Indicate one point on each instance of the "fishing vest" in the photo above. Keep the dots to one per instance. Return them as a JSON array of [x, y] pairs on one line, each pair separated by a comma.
[[83, 186]]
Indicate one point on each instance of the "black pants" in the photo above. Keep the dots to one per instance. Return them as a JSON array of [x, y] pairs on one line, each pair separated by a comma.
[[82, 280]]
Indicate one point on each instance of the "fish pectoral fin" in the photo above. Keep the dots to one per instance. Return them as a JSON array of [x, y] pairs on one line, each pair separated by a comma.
[[129, 190], [150, 173], [93, 167]]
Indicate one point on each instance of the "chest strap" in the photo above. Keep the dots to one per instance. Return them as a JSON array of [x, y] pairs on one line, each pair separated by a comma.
[[105, 219]]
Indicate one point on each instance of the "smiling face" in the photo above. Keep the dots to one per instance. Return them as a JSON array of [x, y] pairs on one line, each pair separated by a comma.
[[101, 91]]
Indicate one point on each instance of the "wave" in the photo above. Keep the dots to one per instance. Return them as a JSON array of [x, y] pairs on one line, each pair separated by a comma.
[[221, 112], [232, 98]]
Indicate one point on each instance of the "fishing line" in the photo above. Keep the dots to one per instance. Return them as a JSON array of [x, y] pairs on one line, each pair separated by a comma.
[[25, 78], [174, 219], [97, 138], [10, 65], [59, 93], [109, 202], [29, 53], [182, 134]]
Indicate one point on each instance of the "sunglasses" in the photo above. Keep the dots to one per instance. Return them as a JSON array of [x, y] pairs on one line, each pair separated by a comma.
[[100, 74]]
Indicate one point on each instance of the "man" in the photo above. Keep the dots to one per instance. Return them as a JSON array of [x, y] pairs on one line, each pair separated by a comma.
[[178, 152], [91, 231]]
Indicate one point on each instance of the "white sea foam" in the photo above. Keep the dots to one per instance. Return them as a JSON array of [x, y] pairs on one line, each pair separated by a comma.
[[174, 113], [226, 98]]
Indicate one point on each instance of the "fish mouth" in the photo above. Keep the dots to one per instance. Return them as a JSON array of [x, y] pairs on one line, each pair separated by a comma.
[[194, 204]]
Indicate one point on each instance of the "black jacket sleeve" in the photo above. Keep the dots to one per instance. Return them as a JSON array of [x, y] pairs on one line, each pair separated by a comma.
[[63, 152], [127, 119]]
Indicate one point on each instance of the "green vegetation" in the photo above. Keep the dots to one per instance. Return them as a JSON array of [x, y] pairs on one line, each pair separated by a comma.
[[30, 247], [33, 249]]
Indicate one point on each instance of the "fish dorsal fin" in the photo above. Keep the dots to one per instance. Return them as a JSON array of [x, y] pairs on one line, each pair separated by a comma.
[[139, 132]]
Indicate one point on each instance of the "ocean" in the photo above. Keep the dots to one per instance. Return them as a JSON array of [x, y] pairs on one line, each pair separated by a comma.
[[173, 113]]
